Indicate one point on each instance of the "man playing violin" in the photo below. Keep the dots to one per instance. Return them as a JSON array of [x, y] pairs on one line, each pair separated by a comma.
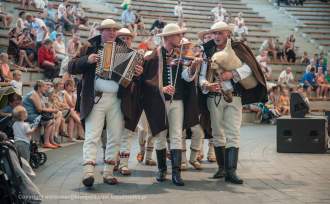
[[168, 92]]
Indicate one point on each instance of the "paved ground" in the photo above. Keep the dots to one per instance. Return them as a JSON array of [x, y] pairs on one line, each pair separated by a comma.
[[269, 177]]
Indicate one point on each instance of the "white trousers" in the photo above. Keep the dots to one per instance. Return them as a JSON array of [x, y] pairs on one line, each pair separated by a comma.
[[226, 119], [196, 138], [175, 113], [107, 108]]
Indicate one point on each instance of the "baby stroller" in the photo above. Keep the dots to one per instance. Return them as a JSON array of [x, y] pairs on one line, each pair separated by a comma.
[[36, 158], [268, 115], [16, 187], [6, 122]]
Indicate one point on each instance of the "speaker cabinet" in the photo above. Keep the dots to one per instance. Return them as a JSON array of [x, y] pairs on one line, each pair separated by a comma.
[[302, 135]]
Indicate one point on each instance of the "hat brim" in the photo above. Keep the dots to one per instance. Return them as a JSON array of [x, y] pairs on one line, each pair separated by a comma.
[[227, 28], [125, 34], [172, 33], [202, 34], [115, 26]]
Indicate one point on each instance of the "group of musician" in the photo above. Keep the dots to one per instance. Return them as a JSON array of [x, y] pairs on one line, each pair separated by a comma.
[[170, 97]]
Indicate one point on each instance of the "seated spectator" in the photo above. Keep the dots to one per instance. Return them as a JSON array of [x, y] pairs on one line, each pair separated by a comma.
[[283, 106], [59, 47], [74, 45], [26, 46], [239, 20], [286, 78], [218, 13], [13, 100], [50, 17], [178, 10], [39, 4], [309, 81], [322, 89], [182, 24], [269, 46], [13, 50], [274, 95], [22, 132], [315, 61], [16, 83], [128, 19], [5, 73], [26, 3], [266, 69], [71, 98], [279, 51], [93, 30], [305, 59], [289, 50], [36, 110], [240, 31], [58, 29], [39, 29], [159, 24], [5, 18], [323, 61], [68, 19], [21, 22], [47, 60], [61, 11], [139, 24]]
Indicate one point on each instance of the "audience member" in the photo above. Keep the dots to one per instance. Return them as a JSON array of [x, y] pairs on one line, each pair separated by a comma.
[[178, 10], [59, 47], [47, 60], [5, 73], [22, 132], [26, 48], [286, 78], [218, 13], [37, 111], [305, 59], [322, 88], [13, 100], [158, 24], [5, 18], [16, 83], [38, 28], [128, 19], [309, 81]]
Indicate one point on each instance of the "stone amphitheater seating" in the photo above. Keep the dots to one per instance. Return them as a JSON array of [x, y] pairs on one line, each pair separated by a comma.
[[315, 21]]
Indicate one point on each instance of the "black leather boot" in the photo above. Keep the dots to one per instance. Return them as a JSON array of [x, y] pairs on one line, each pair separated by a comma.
[[176, 156], [161, 162], [231, 159], [220, 156]]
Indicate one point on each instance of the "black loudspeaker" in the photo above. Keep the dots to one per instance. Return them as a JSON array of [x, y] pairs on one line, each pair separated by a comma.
[[298, 106], [302, 135]]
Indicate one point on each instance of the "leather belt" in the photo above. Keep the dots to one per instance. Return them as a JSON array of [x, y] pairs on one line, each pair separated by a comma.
[[215, 94]]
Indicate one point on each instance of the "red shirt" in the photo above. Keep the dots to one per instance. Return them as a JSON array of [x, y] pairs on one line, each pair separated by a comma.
[[45, 54]]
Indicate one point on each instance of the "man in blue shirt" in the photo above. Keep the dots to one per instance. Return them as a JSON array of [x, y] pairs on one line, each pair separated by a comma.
[[128, 19], [309, 81]]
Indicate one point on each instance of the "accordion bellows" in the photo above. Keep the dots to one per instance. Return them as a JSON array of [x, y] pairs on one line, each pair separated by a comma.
[[117, 62]]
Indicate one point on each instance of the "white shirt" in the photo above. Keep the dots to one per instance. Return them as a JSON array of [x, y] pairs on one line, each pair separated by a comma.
[[59, 47], [285, 77], [178, 11], [61, 11], [244, 71], [107, 86], [20, 130], [18, 86], [37, 25]]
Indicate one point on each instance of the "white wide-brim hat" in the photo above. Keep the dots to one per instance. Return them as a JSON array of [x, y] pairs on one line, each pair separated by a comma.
[[221, 26], [171, 29], [201, 34], [124, 32], [108, 23]]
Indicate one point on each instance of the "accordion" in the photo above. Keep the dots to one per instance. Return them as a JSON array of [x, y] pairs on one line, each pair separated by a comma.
[[117, 62]]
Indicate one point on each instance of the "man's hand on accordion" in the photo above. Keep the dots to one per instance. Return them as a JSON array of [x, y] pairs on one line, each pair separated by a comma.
[[138, 70], [92, 59]]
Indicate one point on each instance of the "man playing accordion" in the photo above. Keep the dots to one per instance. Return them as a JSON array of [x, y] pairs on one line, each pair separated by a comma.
[[100, 103]]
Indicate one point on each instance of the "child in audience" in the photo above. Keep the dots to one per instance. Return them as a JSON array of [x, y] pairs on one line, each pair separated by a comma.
[[16, 83], [22, 132], [283, 106], [5, 73]]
